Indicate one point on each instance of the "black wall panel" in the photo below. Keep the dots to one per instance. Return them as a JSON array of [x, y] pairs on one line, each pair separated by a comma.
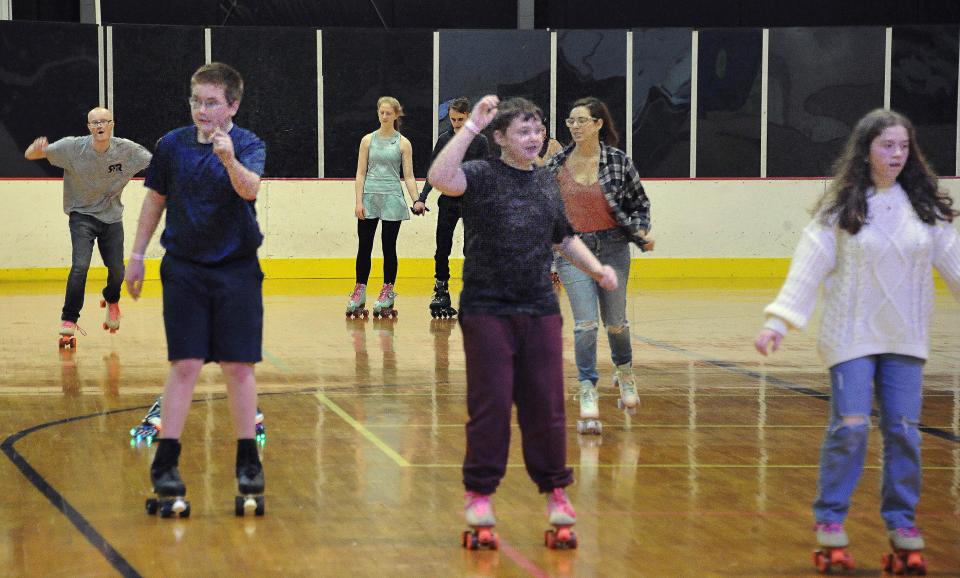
[[592, 63], [508, 63], [822, 80], [151, 70], [49, 80], [360, 66], [279, 68], [923, 86], [728, 107], [662, 76]]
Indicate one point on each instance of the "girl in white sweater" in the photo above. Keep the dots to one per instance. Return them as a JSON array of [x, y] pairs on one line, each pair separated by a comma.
[[878, 231]]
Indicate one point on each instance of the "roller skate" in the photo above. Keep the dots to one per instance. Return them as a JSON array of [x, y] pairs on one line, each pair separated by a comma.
[[383, 306], [167, 484], [907, 555], [68, 332], [624, 380], [250, 481], [562, 517], [440, 304], [479, 515], [589, 422], [356, 305], [833, 542], [149, 428], [112, 321]]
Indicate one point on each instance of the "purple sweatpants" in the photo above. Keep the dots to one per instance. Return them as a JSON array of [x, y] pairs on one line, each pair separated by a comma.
[[514, 359]]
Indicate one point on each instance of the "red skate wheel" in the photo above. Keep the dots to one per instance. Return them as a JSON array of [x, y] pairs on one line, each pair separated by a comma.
[[821, 562], [550, 539]]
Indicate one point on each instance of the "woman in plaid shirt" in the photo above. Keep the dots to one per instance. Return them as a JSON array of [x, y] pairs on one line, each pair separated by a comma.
[[608, 209]]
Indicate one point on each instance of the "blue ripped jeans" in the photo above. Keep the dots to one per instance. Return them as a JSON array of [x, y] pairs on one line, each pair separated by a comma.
[[897, 382], [611, 248]]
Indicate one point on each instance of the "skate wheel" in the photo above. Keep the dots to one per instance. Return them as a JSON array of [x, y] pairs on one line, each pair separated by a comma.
[[238, 508], [820, 562], [151, 506], [549, 539]]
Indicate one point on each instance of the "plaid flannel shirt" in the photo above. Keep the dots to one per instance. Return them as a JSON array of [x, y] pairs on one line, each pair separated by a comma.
[[621, 186]]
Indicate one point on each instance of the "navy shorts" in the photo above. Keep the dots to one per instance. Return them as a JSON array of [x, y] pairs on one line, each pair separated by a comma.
[[214, 313]]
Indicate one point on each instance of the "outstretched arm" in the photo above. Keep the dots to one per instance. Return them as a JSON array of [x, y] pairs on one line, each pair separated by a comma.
[[37, 149]]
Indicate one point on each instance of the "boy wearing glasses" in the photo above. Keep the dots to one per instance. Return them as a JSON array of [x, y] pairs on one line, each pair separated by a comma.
[[96, 168], [207, 176]]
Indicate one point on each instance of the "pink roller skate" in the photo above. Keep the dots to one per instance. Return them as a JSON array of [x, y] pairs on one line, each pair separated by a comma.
[[562, 517], [112, 321], [479, 515]]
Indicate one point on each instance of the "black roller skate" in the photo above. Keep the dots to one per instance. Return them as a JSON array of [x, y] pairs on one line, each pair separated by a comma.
[[440, 304], [250, 482], [167, 484], [149, 428]]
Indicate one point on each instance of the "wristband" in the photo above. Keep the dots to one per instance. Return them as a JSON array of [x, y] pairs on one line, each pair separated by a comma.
[[136, 256], [471, 127]]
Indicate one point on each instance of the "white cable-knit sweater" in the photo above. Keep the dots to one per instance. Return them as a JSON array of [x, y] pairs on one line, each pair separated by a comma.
[[878, 284]]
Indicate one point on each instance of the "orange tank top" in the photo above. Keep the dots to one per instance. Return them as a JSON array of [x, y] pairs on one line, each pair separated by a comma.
[[587, 208]]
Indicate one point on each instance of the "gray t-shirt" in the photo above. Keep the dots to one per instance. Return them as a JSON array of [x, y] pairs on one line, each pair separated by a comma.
[[92, 181]]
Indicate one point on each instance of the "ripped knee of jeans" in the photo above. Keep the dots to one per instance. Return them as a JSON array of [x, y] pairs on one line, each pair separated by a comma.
[[850, 422], [584, 326], [617, 329]]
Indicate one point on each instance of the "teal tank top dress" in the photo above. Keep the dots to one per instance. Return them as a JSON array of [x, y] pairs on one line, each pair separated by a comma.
[[382, 192]]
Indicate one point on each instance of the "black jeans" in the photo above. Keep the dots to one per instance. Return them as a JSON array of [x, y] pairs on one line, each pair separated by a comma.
[[450, 212], [84, 229]]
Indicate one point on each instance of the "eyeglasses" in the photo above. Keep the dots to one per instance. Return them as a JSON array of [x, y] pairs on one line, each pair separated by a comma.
[[197, 104], [579, 121], [99, 123]]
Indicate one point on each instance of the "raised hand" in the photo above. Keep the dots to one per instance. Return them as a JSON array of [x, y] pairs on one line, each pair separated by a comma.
[[222, 145], [484, 111]]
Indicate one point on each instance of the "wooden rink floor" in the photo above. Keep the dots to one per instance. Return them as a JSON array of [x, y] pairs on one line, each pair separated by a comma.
[[713, 476]]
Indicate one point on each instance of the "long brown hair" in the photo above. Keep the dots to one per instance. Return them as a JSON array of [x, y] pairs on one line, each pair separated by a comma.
[[845, 201], [598, 110]]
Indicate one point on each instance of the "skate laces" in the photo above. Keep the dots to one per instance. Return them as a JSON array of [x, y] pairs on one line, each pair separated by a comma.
[[911, 532], [557, 503], [357, 292], [587, 394], [478, 504], [72, 325], [829, 527], [386, 292]]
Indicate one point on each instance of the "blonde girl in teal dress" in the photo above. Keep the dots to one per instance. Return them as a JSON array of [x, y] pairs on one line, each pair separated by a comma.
[[384, 153]]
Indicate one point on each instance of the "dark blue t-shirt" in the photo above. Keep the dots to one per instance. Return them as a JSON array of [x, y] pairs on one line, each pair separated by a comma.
[[207, 221], [511, 220]]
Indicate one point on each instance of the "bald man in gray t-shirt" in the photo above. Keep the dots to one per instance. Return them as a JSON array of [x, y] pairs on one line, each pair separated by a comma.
[[96, 168]]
